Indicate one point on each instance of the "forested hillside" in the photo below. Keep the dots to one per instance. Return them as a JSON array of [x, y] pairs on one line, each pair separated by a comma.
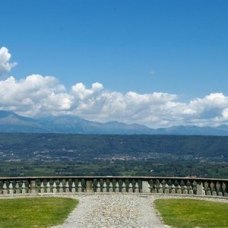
[[113, 154]]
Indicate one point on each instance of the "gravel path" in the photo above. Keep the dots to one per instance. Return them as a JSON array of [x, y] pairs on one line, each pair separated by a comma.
[[113, 211], [119, 211]]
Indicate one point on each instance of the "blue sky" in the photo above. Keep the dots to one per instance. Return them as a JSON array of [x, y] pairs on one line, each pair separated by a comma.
[[145, 46]]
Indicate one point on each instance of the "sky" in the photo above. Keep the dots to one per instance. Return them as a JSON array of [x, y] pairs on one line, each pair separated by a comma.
[[154, 62]]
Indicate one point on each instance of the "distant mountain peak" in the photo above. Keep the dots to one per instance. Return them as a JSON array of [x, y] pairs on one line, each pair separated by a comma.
[[12, 122], [4, 113]]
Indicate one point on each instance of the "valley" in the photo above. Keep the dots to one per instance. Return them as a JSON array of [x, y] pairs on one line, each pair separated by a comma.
[[74, 154]]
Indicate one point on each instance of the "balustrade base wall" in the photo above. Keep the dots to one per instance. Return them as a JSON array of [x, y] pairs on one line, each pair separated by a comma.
[[103, 184]]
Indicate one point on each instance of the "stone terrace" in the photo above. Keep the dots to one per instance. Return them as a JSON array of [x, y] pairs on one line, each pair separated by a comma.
[[115, 202]]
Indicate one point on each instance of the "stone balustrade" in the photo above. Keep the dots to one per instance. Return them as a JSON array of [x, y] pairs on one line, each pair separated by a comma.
[[125, 184]]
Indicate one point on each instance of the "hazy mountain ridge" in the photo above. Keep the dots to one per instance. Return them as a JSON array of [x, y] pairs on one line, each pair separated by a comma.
[[12, 122]]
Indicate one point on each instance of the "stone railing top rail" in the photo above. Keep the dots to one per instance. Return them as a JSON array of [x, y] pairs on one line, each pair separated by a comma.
[[113, 177]]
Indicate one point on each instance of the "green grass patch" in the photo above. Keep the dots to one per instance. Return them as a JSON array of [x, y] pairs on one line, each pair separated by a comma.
[[34, 212], [187, 213]]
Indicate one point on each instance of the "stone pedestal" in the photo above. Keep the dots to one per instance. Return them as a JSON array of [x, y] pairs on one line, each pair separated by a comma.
[[145, 187], [33, 186], [200, 189], [89, 186]]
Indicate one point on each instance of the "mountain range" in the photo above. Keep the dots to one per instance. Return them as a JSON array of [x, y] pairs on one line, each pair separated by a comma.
[[12, 122]]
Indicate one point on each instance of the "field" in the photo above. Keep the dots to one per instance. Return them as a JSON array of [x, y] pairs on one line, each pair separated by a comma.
[[34, 212], [189, 213]]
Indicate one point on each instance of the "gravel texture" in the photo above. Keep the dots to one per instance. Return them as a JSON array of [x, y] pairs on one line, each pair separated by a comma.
[[113, 211], [120, 210]]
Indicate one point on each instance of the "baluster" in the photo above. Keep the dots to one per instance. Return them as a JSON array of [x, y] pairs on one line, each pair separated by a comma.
[[38, 183], [179, 189], [110, 187], [84, 187], [173, 189], [23, 187], [218, 188], [61, 186], [182, 184], [11, 190], [133, 185], [67, 186], [17, 187], [190, 190], [213, 191], [206, 189], [117, 186], [130, 187], [1, 187], [54, 187], [123, 186], [101, 182], [166, 189], [114, 182], [48, 187], [98, 188], [163, 185], [185, 190], [208, 192], [104, 189], [224, 189], [5, 188], [160, 188], [42, 187], [73, 190], [51, 185], [136, 190], [195, 187], [188, 187], [92, 185], [157, 186], [79, 186]]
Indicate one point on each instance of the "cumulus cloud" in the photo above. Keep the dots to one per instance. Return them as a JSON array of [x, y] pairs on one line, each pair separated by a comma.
[[5, 64], [33, 95], [38, 95]]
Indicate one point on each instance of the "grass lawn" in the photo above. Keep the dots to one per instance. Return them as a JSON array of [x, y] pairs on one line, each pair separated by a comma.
[[34, 212], [187, 213]]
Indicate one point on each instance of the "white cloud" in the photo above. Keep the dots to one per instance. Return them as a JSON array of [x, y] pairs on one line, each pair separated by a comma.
[[34, 95], [38, 95], [44, 95], [5, 64]]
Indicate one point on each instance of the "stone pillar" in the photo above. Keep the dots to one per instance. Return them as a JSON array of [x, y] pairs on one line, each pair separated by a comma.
[[89, 186], [200, 189], [33, 186], [145, 187]]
